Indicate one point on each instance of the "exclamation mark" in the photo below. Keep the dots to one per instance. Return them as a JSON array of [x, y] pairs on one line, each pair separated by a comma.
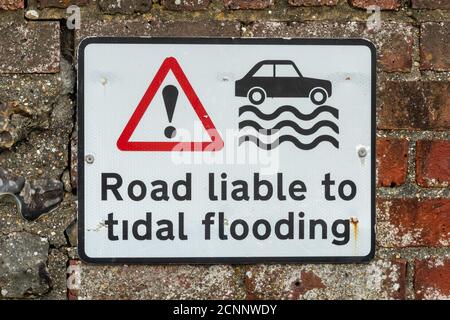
[[170, 96]]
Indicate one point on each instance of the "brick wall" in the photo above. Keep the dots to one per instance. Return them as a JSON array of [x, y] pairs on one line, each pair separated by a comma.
[[38, 147]]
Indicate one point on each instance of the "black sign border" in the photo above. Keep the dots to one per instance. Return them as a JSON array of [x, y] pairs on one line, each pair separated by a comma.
[[227, 41]]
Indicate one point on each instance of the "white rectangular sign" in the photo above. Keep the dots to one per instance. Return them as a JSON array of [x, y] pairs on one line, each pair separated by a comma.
[[226, 150]]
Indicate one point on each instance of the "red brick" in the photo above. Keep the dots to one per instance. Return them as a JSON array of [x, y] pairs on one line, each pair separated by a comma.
[[392, 162], [434, 46], [248, 4], [311, 3], [433, 163], [413, 222], [394, 44], [432, 278], [11, 4], [431, 4], [423, 105], [395, 52], [32, 47], [380, 279], [186, 5], [60, 3], [383, 4]]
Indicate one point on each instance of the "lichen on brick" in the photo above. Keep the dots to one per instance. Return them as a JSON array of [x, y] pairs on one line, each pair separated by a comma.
[[381, 279]]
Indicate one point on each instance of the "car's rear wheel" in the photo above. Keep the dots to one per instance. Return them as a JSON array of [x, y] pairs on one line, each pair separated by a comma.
[[318, 96], [256, 96]]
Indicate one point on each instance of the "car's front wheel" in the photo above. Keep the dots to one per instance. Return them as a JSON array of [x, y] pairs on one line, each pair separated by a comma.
[[256, 96], [318, 96]]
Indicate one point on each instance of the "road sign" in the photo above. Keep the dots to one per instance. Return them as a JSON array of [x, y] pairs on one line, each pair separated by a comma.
[[170, 96], [226, 150]]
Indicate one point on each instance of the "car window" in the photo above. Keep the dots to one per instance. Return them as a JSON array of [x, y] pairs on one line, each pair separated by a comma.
[[266, 70], [285, 70]]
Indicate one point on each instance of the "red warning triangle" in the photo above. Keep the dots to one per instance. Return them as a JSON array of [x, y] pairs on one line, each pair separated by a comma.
[[124, 143]]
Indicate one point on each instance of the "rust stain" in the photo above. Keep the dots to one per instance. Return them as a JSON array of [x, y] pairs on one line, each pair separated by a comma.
[[354, 221]]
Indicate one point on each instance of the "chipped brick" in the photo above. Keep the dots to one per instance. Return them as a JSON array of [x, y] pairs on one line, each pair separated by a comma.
[[392, 162], [380, 279]]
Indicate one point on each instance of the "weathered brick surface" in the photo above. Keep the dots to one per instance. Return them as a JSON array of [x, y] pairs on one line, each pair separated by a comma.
[[392, 162], [434, 46], [159, 282], [431, 4], [433, 163], [157, 28], [432, 278], [380, 279], [36, 129], [383, 4], [394, 42], [11, 4], [413, 222], [74, 162], [60, 3], [308, 3], [423, 105], [73, 279], [50, 225], [23, 271], [395, 49], [31, 47], [57, 262], [185, 4], [125, 6], [248, 4]]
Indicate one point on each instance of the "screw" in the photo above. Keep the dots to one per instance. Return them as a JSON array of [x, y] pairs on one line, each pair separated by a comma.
[[362, 152], [89, 158]]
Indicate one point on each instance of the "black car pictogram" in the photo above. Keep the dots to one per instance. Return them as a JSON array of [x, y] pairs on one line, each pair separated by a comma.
[[280, 78]]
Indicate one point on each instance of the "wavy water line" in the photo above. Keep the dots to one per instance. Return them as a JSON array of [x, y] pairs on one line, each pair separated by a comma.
[[291, 124], [291, 109], [287, 138]]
